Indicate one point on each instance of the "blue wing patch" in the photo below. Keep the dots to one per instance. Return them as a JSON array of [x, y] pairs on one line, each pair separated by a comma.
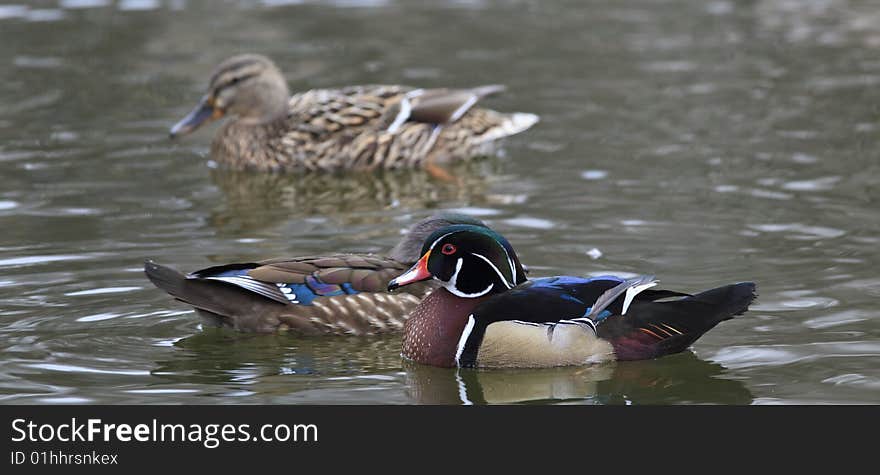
[[313, 288], [284, 292], [598, 318]]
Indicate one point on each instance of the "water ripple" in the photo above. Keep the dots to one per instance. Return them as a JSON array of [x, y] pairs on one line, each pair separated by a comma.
[[838, 318], [68, 368], [818, 184], [736, 357], [103, 290], [12, 11], [162, 391], [530, 222], [594, 174], [45, 259], [99, 316], [799, 231], [853, 379], [796, 300], [138, 5], [78, 4]]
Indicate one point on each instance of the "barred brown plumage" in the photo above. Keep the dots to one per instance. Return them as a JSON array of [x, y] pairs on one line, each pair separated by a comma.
[[339, 294], [351, 128]]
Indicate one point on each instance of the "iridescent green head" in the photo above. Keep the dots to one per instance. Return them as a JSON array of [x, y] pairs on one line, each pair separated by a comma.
[[470, 261]]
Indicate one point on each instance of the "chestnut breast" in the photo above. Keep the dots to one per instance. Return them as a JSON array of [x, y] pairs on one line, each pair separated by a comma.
[[431, 334]]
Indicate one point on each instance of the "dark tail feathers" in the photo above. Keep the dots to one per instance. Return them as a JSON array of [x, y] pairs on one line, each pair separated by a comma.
[[651, 329], [165, 278], [221, 300]]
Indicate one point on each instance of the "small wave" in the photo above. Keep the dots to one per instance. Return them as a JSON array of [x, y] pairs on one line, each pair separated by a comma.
[[103, 290]]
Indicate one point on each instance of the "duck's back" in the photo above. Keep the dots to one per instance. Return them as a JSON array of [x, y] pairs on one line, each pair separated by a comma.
[[357, 128], [347, 110]]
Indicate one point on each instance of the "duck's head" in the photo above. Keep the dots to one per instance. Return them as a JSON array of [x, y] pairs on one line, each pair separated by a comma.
[[409, 249], [248, 86], [470, 261]]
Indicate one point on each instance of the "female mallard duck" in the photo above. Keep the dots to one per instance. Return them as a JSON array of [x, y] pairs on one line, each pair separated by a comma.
[[356, 128], [337, 294], [487, 314]]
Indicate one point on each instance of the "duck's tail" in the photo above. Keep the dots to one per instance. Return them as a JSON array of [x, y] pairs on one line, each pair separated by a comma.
[[506, 125], [222, 302], [519, 122], [651, 329], [511, 123]]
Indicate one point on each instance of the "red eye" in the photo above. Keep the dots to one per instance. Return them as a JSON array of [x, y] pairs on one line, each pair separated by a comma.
[[448, 249]]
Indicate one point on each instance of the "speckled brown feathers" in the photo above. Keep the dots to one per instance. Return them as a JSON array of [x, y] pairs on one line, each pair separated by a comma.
[[358, 315], [336, 129], [371, 311], [352, 128], [431, 334], [341, 294]]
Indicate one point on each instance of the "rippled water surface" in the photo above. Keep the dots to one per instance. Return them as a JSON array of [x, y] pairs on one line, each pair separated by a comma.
[[704, 142]]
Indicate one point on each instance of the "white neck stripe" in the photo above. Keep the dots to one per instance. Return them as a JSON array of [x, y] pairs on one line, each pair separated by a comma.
[[463, 340], [509, 262], [497, 271]]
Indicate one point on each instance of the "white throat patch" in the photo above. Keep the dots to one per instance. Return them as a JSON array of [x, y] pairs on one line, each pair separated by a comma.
[[451, 284]]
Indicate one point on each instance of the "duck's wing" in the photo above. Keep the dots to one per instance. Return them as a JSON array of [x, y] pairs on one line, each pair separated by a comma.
[[438, 106], [324, 111], [551, 321], [392, 126], [560, 299], [317, 113], [539, 323], [300, 280]]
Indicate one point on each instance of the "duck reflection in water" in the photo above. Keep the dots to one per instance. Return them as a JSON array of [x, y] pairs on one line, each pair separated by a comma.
[[270, 363], [682, 378], [266, 201], [280, 368]]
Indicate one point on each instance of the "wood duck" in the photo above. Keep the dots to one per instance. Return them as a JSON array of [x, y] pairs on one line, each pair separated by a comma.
[[343, 294], [486, 314], [354, 128]]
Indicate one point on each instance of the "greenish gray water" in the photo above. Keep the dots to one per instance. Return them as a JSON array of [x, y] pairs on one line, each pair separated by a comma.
[[704, 142]]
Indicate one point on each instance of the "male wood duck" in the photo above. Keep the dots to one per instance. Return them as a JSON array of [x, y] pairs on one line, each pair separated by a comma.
[[486, 314], [343, 294], [353, 128]]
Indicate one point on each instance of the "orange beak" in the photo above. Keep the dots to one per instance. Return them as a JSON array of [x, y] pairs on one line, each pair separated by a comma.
[[416, 273]]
